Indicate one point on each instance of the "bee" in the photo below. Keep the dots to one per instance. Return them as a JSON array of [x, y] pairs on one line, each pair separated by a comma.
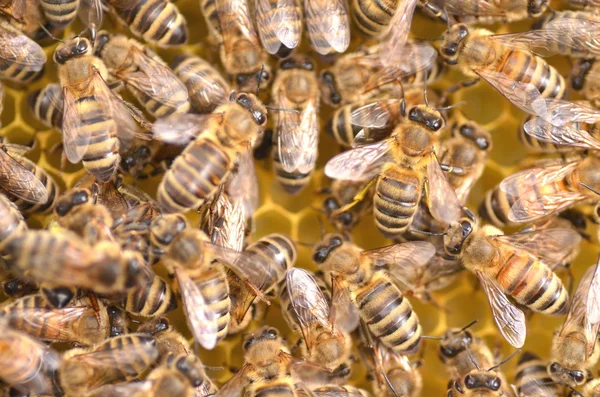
[[59, 13], [95, 120], [25, 363], [401, 166], [307, 311], [532, 378], [484, 11], [342, 193], [197, 172], [480, 382], [119, 321], [516, 265], [22, 60], [168, 340], [152, 297], [230, 25], [280, 25], [79, 323], [363, 75], [46, 104], [12, 224], [583, 78], [296, 135], [144, 74], [574, 349], [206, 87], [361, 284], [157, 22], [115, 360]]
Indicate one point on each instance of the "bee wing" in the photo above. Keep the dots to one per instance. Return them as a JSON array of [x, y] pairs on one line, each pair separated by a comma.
[[129, 389], [182, 128], [14, 8], [441, 197], [243, 186], [327, 22], [361, 163], [473, 8], [544, 131], [21, 50], [405, 255], [336, 392], [344, 313], [308, 302], [75, 138], [202, 320], [392, 44], [233, 387], [592, 305], [509, 319], [90, 13], [551, 246], [234, 20], [527, 209], [377, 114], [19, 181], [154, 79], [278, 25]]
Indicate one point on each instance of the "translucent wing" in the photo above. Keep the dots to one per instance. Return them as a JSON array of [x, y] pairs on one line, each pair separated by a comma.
[[180, 128], [91, 12], [128, 389], [309, 303], [398, 34], [328, 25], [154, 79], [540, 176], [343, 310], [568, 135], [201, 319], [527, 209], [76, 138], [20, 49], [405, 255], [207, 90], [358, 164], [19, 181], [14, 8], [227, 223], [441, 197], [551, 246], [336, 391], [243, 186], [235, 21], [509, 319], [278, 23], [473, 8], [378, 114], [593, 299], [233, 387]]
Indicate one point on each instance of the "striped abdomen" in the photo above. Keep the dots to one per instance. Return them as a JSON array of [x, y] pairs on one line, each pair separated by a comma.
[[46, 105], [140, 353], [60, 13], [46, 179], [373, 17], [531, 283], [495, 207], [530, 373], [270, 36], [152, 298], [18, 72], [193, 176], [388, 315], [276, 250], [340, 126], [526, 68], [292, 182], [156, 21], [209, 10], [11, 222], [397, 196], [215, 291], [158, 109], [275, 388], [535, 145]]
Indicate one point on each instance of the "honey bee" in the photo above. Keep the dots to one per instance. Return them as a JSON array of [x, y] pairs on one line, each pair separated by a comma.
[[401, 166], [168, 340], [116, 360], [574, 348], [280, 25], [359, 283], [79, 323], [296, 135], [119, 321], [206, 87], [26, 364], [46, 105], [517, 265], [480, 382], [93, 129], [211, 155], [157, 22], [152, 297], [22, 60], [230, 26], [307, 311], [59, 13], [532, 379], [484, 11], [145, 75]]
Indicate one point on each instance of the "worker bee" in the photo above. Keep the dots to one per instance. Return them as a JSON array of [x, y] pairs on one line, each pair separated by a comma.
[[80, 323], [196, 173], [401, 166], [532, 379], [362, 75], [296, 133], [22, 60], [307, 311], [206, 87], [46, 104], [574, 349], [145, 75], [483, 11], [280, 25], [116, 360], [26, 364], [230, 26], [157, 22], [360, 283], [481, 382], [516, 265], [93, 129]]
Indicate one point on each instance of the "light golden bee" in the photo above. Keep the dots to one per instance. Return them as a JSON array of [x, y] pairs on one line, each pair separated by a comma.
[[296, 133], [22, 60], [360, 285], [116, 360], [195, 175], [59, 13], [144, 74], [46, 104], [484, 11], [532, 379]]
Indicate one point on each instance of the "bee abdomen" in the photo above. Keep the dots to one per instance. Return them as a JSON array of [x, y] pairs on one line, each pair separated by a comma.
[[60, 13], [292, 182], [530, 373], [278, 250], [18, 72], [158, 109], [389, 316], [397, 196], [495, 207], [373, 17], [275, 390], [215, 290], [152, 299], [194, 175], [51, 187], [44, 105], [11, 221]]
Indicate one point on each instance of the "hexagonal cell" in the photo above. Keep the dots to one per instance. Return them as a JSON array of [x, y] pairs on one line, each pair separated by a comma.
[[508, 150], [53, 152], [482, 111], [470, 295], [269, 220], [367, 236]]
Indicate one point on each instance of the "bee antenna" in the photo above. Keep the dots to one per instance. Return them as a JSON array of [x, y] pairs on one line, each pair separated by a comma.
[[431, 337], [50, 34], [452, 106], [211, 368], [589, 188], [428, 233], [259, 80], [425, 88], [471, 357], [472, 323], [553, 11], [505, 360], [282, 109], [305, 244], [387, 380]]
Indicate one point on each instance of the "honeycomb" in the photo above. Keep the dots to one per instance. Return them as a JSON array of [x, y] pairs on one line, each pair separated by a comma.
[[296, 216]]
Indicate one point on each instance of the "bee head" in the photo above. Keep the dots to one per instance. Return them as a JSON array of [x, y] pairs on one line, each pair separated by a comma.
[[263, 334], [249, 82], [457, 234], [482, 380], [454, 341], [427, 117], [135, 161], [452, 43], [189, 366], [535, 8], [165, 228], [571, 377], [102, 38], [324, 249], [297, 63], [329, 89], [474, 133], [71, 199], [76, 47], [251, 103], [579, 73]]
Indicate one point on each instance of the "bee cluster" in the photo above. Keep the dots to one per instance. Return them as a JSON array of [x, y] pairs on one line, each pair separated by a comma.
[[290, 197]]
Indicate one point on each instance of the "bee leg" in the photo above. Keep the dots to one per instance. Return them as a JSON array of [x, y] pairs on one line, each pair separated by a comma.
[[456, 87], [257, 292], [360, 196], [95, 305], [296, 345], [434, 10]]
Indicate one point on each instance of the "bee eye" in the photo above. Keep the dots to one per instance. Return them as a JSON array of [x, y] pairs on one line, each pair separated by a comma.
[[482, 143], [328, 77], [554, 368], [260, 118], [271, 333], [467, 228], [470, 382], [265, 76], [81, 47], [335, 98], [494, 384], [80, 198], [241, 79], [451, 49], [577, 376], [320, 254], [59, 58], [62, 209]]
